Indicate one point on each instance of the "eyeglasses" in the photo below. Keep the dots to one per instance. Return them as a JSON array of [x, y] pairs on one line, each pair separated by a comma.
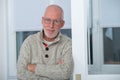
[[48, 21]]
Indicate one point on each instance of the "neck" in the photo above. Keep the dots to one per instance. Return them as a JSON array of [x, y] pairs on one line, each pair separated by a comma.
[[48, 39]]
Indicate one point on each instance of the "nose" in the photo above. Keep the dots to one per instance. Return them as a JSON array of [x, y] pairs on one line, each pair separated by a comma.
[[52, 24]]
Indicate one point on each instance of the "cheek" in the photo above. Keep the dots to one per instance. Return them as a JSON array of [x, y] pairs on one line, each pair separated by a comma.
[[45, 25], [58, 27]]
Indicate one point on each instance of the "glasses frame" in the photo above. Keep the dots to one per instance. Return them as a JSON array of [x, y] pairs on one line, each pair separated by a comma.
[[49, 21]]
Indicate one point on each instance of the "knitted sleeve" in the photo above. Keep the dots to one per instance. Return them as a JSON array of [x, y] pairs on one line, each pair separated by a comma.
[[23, 60]]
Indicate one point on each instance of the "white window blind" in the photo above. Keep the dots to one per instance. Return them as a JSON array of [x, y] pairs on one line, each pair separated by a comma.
[[28, 13], [109, 13]]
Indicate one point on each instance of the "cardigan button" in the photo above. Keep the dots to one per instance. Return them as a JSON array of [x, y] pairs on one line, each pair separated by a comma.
[[46, 56], [46, 48]]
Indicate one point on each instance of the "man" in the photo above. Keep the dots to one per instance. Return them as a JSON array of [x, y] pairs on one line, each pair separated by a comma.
[[47, 55]]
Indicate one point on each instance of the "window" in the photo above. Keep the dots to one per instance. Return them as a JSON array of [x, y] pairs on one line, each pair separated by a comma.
[[103, 37]]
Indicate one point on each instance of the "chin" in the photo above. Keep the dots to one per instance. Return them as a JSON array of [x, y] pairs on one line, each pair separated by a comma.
[[49, 36], [53, 35]]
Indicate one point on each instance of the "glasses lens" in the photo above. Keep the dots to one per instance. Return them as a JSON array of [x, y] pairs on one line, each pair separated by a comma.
[[48, 21]]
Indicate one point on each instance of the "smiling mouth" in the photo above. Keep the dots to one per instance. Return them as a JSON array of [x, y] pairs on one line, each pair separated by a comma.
[[50, 31]]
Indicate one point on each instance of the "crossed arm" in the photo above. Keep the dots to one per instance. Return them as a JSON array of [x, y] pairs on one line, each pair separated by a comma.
[[62, 70], [32, 67]]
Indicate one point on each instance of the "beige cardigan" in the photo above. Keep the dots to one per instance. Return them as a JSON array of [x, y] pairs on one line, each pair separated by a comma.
[[33, 51]]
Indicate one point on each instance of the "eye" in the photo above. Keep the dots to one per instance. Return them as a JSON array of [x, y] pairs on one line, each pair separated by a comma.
[[48, 20], [57, 21]]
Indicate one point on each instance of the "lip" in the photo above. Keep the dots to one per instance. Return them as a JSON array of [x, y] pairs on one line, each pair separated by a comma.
[[50, 31]]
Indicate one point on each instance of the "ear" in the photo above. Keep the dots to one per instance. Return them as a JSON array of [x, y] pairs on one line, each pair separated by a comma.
[[42, 20], [62, 23]]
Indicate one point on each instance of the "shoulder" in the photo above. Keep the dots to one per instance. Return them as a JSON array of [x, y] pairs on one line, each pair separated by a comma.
[[66, 38], [67, 41], [32, 38], [67, 44]]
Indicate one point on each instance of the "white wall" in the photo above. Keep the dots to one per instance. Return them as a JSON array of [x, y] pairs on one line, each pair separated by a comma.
[[2, 42]]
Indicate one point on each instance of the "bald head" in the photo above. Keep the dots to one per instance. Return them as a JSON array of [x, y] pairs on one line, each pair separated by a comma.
[[54, 10]]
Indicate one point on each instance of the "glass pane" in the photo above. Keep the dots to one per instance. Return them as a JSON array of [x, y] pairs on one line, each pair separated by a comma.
[[20, 37], [111, 45]]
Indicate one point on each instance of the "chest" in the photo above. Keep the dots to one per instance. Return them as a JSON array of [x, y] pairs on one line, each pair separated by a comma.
[[39, 54]]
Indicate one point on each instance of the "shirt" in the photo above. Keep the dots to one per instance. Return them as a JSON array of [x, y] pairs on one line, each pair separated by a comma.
[[47, 68]]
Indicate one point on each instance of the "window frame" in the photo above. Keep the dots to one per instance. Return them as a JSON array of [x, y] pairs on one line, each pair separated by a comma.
[[98, 66]]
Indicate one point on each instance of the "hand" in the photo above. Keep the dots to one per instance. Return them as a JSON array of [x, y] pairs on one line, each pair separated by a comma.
[[31, 67], [60, 61]]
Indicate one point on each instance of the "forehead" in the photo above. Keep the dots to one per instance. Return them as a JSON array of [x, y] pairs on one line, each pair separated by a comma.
[[53, 12]]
